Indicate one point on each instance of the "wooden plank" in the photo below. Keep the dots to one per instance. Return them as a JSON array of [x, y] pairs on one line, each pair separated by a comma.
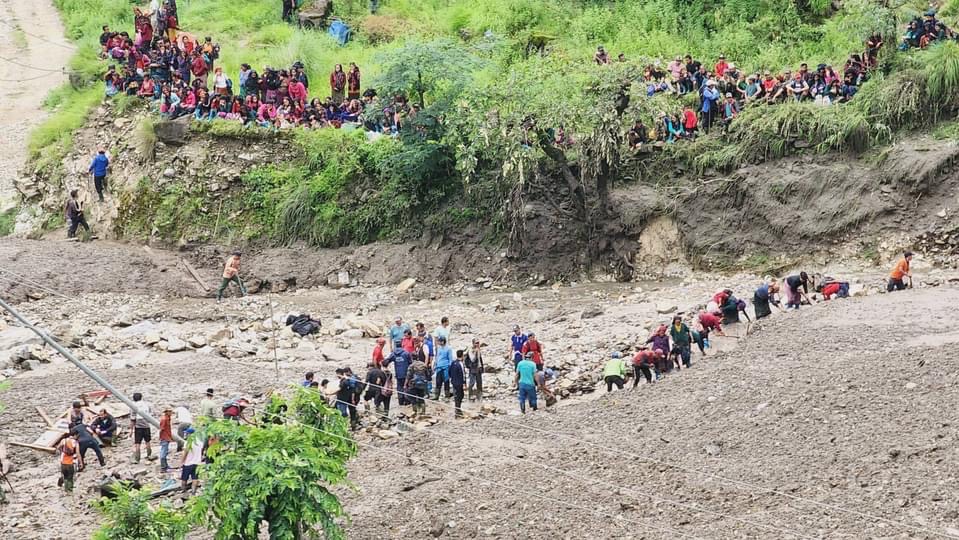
[[100, 399], [35, 447], [195, 275], [50, 438], [43, 415]]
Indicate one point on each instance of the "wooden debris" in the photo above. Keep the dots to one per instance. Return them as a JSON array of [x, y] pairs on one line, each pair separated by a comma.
[[43, 415], [195, 275], [48, 449]]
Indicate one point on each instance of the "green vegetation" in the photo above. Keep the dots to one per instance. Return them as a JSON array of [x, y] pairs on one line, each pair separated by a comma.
[[8, 220], [494, 82], [279, 472], [129, 516], [53, 139]]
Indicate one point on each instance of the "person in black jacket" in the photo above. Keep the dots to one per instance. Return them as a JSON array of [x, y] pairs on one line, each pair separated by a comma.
[[457, 378], [82, 433], [105, 427]]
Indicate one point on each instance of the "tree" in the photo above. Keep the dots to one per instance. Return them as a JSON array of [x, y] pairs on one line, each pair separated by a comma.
[[130, 517], [424, 69], [279, 471]]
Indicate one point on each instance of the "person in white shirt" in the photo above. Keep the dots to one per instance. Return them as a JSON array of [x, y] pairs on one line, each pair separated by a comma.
[[184, 420], [191, 460]]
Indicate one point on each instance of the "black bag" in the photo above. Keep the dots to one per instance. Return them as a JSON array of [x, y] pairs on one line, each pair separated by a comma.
[[303, 325]]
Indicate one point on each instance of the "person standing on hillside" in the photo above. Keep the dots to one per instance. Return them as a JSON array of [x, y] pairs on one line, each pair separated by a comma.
[[474, 366], [209, 409], [338, 84], [397, 331], [166, 437], [900, 271], [403, 361], [98, 168], [184, 420], [231, 272], [69, 456], [444, 359], [378, 355], [353, 82], [74, 214]]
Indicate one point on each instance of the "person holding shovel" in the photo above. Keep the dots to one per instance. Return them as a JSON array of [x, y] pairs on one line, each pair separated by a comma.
[[899, 272]]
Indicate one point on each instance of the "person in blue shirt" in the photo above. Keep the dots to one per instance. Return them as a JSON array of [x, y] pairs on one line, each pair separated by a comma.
[[516, 342], [444, 358], [402, 360], [526, 382], [710, 104], [307, 379], [98, 168], [396, 333], [457, 379]]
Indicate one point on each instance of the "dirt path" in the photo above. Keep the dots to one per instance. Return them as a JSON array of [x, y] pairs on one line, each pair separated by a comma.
[[34, 52]]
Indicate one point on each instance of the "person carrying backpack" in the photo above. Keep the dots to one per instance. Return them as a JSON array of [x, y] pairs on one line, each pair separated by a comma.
[[69, 460], [417, 382]]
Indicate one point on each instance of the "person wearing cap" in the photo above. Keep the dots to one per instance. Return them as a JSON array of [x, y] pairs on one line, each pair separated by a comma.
[[526, 382], [535, 348], [721, 66], [899, 272], [711, 99], [614, 372], [231, 272], [676, 68], [474, 367], [516, 342], [681, 337], [98, 168], [797, 87], [601, 57], [192, 459], [166, 437], [208, 406], [397, 331]]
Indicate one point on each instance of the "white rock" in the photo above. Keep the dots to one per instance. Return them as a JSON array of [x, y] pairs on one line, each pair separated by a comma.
[[405, 285], [911, 386], [151, 338], [175, 344], [169, 172], [331, 353], [197, 341], [387, 434], [353, 333]]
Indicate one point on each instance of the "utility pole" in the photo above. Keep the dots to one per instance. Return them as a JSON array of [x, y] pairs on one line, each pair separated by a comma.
[[89, 372]]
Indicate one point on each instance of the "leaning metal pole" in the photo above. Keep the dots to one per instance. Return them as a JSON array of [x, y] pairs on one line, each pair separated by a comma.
[[90, 373]]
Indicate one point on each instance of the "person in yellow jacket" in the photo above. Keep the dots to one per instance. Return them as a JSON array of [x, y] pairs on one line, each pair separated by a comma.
[[614, 373], [231, 272]]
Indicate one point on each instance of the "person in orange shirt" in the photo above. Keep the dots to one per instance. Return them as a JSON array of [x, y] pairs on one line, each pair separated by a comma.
[[69, 451], [900, 271], [231, 272]]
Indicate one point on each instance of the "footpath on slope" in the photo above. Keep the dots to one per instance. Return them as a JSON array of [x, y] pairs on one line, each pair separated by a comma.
[[33, 56]]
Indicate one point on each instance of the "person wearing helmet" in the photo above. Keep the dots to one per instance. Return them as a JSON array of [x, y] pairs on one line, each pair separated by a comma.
[[614, 372]]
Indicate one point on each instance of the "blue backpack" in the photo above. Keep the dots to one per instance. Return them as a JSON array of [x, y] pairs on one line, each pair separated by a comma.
[[339, 31]]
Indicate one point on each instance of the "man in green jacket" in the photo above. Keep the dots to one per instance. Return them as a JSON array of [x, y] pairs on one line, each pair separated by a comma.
[[615, 372], [682, 341]]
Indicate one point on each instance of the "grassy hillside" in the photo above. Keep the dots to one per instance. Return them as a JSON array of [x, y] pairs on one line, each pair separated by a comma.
[[484, 140]]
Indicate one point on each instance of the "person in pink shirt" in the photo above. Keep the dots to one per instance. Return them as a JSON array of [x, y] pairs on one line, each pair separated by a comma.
[[296, 91]]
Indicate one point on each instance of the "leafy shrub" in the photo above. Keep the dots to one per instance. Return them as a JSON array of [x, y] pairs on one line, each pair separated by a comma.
[[379, 29], [130, 517]]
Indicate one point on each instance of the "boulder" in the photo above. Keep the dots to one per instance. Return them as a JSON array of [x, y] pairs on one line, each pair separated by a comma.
[[338, 280], [197, 341], [406, 285], [173, 132], [353, 333], [387, 434], [151, 338], [17, 336], [175, 344], [220, 335], [591, 312], [666, 308], [369, 328], [332, 353]]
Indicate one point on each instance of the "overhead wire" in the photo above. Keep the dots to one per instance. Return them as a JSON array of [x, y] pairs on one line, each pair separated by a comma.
[[41, 38]]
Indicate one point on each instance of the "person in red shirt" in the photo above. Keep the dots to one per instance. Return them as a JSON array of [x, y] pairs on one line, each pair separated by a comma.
[[166, 437], [642, 362], [407, 343], [378, 352], [830, 289], [711, 323], [721, 66], [690, 121], [199, 69], [532, 345]]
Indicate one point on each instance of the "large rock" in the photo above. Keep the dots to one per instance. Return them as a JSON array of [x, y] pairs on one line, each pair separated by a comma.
[[175, 344], [406, 285], [368, 327], [332, 353], [592, 312], [339, 279], [17, 336], [173, 132], [353, 333], [197, 341], [666, 308]]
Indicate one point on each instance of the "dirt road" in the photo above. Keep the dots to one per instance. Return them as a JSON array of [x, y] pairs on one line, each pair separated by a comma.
[[34, 53]]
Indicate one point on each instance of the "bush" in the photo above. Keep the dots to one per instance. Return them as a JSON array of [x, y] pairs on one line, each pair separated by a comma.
[[130, 517], [379, 29]]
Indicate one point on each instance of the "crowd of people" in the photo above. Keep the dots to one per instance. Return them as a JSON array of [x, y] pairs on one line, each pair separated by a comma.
[[179, 75], [923, 31], [724, 90], [418, 365]]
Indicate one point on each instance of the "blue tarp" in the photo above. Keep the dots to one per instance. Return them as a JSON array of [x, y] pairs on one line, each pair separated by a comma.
[[339, 31]]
